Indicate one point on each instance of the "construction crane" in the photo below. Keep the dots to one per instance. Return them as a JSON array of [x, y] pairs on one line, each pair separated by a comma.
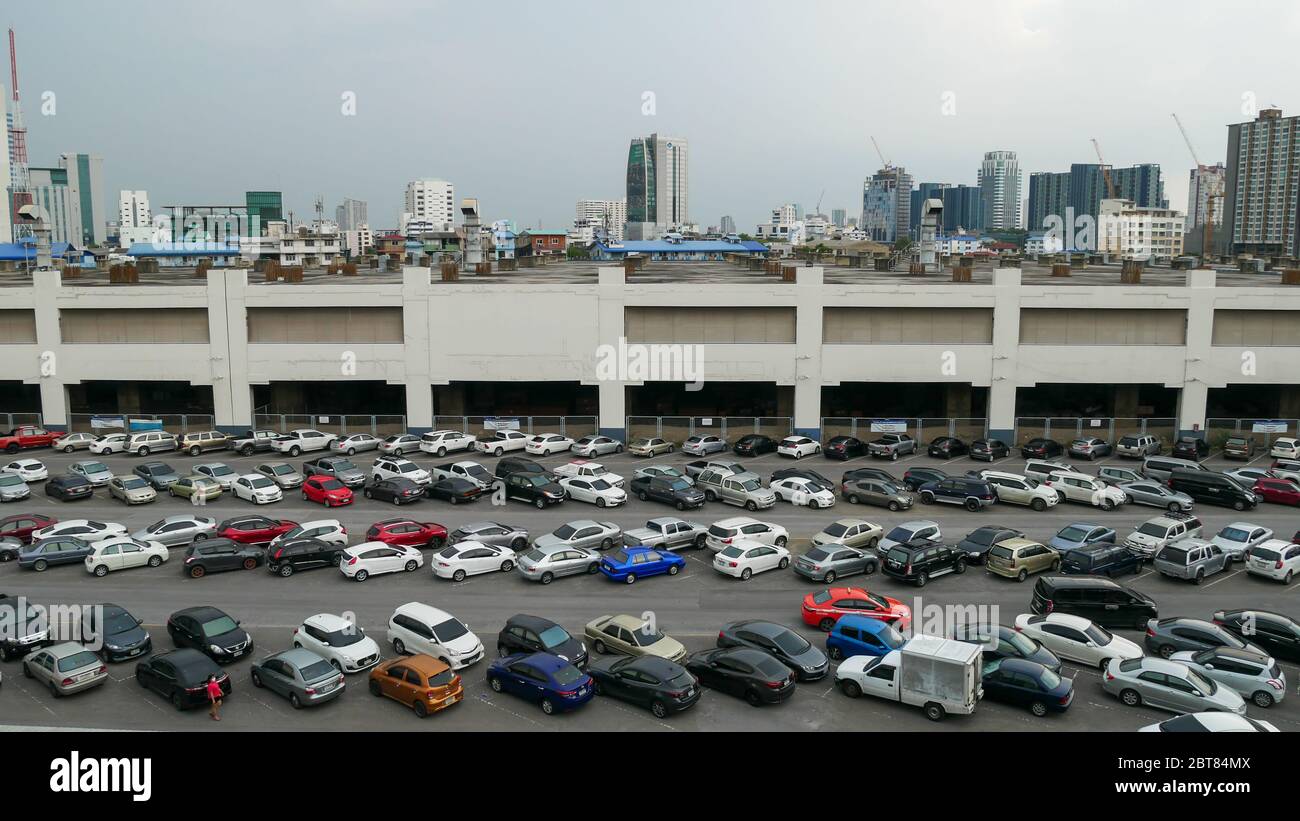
[[818, 209], [1105, 170], [1207, 236], [884, 161], [21, 192]]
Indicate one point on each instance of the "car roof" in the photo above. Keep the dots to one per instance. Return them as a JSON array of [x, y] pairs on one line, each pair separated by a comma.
[[863, 623], [850, 522], [533, 622], [420, 609], [917, 524], [328, 622], [201, 612], [422, 663], [1067, 620], [736, 521]]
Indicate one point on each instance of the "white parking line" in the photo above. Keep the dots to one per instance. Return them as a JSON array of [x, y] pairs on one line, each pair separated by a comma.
[[1225, 578]]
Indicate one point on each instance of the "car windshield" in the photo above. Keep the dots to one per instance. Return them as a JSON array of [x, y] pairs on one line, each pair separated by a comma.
[[341, 465], [408, 467], [680, 484], [1200, 682], [219, 626], [450, 630], [554, 636], [817, 554], [1153, 530], [1234, 534], [261, 482], [791, 643], [93, 467], [891, 488], [11, 480], [537, 480], [280, 470], [600, 484], [1098, 635], [1021, 643], [899, 534], [1177, 555], [345, 638], [478, 470], [835, 529], [134, 483], [331, 484], [566, 675], [318, 670], [1049, 680], [732, 552], [752, 485], [1071, 533], [77, 660], [982, 536], [221, 470], [645, 637], [564, 532]]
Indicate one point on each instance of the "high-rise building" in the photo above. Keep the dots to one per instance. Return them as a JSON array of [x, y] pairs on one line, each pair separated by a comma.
[[608, 215], [134, 219], [85, 181], [1203, 182], [351, 215], [430, 201], [49, 189], [1138, 233], [1083, 187], [887, 204], [1262, 186], [658, 186], [838, 217], [999, 182], [727, 225], [1049, 195], [922, 192], [963, 209], [264, 207], [1140, 183]]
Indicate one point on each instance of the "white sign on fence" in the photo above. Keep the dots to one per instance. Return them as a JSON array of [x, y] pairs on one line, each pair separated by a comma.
[[707, 421], [322, 420], [1094, 423], [102, 422], [888, 426], [492, 423], [1268, 427]]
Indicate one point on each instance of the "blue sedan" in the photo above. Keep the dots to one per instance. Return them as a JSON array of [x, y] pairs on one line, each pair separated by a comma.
[[53, 551], [861, 636], [631, 563], [1027, 684], [543, 679]]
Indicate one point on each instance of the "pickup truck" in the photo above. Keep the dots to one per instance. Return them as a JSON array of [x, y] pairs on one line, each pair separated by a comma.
[[667, 532], [582, 469], [472, 471], [27, 436], [253, 441], [501, 441], [302, 440], [891, 445], [939, 675]]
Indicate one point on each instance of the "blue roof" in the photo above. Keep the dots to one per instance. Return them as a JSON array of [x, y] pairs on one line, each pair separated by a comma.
[[181, 249], [707, 246], [26, 250]]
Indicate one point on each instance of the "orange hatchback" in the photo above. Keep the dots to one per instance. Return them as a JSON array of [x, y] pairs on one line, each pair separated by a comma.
[[421, 682]]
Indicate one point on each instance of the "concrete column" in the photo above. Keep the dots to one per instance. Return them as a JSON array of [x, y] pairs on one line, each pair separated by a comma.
[[1006, 351], [808, 351], [417, 291], [611, 393], [232, 396], [46, 286], [1200, 325]]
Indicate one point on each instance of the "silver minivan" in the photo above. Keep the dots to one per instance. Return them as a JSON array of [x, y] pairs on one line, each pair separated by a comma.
[[1159, 467], [1191, 559], [151, 441], [743, 489]]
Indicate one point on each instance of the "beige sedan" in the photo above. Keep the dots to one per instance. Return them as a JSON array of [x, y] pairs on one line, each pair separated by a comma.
[[65, 668], [632, 636]]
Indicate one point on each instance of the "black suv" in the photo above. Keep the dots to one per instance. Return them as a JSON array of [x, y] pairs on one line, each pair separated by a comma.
[[1191, 447], [302, 554], [755, 444], [977, 543], [973, 494], [915, 477], [679, 493], [1100, 559], [534, 634], [919, 561], [1040, 448], [844, 447], [535, 488], [946, 447], [1097, 598], [507, 465], [216, 555]]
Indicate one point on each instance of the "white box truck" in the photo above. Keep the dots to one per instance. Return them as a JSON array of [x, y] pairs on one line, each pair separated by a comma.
[[941, 676]]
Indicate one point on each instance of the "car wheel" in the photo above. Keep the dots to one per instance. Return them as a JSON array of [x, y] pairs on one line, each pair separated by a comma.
[[1131, 698], [600, 501], [27, 671], [922, 579], [1038, 505], [458, 576], [631, 578], [249, 564], [893, 507], [495, 684], [710, 496], [399, 647], [40, 565], [972, 505], [959, 567], [421, 709], [197, 571], [751, 506], [746, 574], [927, 498], [102, 570], [68, 449], [361, 575], [507, 566], [196, 450], [753, 698], [1022, 575], [658, 709], [935, 712], [286, 570], [1174, 507], [850, 688], [366, 493], [443, 452], [411, 565], [177, 702], [784, 563], [1056, 566], [825, 625], [1287, 579], [829, 578], [1238, 506], [373, 687], [497, 452], [1262, 699], [1038, 708], [1200, 577], [853, 499], [295, 451], [548, 706]]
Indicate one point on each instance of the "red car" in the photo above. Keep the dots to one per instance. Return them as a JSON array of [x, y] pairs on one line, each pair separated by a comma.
[[1278, 491], [254, 529], [408, 532], [27, 436], [327, 490], [21, 525], [823, 609]]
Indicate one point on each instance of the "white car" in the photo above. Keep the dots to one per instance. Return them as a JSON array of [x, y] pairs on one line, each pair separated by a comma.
[[1275, 559], [470, 558], [1210, 723], [502, 441], [421, 628], [302, 440], [1080, 487], [110, 443], [331, 531], [798, 447], [1077, 639], [1285, 447], [595, 491], [743, 558], [1238, 537], [74, 441], [585, 469], [258, 489], [219, 472], [337, 640], [400, 443], [907, 532], [545, 444], [354, 442], [442, 442], [724, 532], [596, 445], [31, 470], [1020, 490], [124, 553], [800, 491], [395, 467], [368, 559], [87, 530]]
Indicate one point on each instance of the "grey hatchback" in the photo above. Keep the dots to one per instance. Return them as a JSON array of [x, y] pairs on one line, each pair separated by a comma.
[[299, 675], [1168, 636], [828, 562]]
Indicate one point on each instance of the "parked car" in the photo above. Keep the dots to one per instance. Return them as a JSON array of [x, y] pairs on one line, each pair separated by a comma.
[[302, 440], [253, 529], [218, 555], [546, 444], [1214, 488], [1090, 448], [258, 489], [845, 447], [877, 492], [442, 442], [177, 530], [327, 491], [975, 545], [203, 441], [1114, 475], [1101, 559], [743, 489], [723, 533], [754, 444], [1146, 492], [1285, 447], [457, 561], [660, 685], [1139, 446], [598, 492], [97, 473], [86, 529], [662, 472], [467, 470], [549, 681], [804, 659], [1021, 490], [338, 467], [299, 675], [743, 558], [253, 441], [1154, 534], [1193, 448], [1161, 468], [1164, 637], [326, 530], [1191, 559], [1085, 489], [65, 668], [804, 492], [340, 641], [398, 491], [825, 607], [210, 631], [1168, 685], [972, 494], [403, 531], [146, 442], [29, 470], [909, 531], [124, 553], [1237, 538], [861, 636], [914, 478], [288, 557], [1275, 634], [947, 447], [1017, 558], [27, 436], [998, 642], [219, 472], [649, 446], [50, 552], [891, 446], [159, 475], [455, 491], [1074, 638], [26, 630], [20, 527], [703, 444], [989, 449], [182, 677], [354, 443], [523, 633], [1286, 469], [1027, 684], [743, 672], [516, 538], [397, 467], [850, 532], [632, 636], [425, 684], [828, 562], [420, 628], [1254, 676], [109, 444], [1239, 447], [694, 469], [1078, 534], [13, 488], [798, 447], [399, 444], [667, 532], [1041, 448], [1274, 559], [196, 487], [627, 564], [535, 488], [1278, 491], [596, 445], [362, 561], [918, 562], [69, 442], [584, 533], [121, 634], [546, 564]]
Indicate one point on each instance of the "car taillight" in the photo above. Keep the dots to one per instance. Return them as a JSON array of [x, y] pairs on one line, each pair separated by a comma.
[[775, 685], [721, 634], [1109, 677], [67, 682], [311, 691], [568, 693], [1277, 565], [1065, 699], [732, 564], [279, 552], [352, 560]]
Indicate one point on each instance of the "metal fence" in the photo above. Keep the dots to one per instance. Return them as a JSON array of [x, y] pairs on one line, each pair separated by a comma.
[[1263, 431], [13, 420], [921, 428], [171, 422], [1065, 428], [339, 424], [679, 428], [575, 427]]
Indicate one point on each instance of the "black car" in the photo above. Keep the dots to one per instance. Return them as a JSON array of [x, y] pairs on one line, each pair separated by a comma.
[[1040, 448], [398, 491], [679, 493], [217, 555], [534, 634], [1097, 598], [971, 493], [211, 632], [915, 477], [807, 661], [1191, 447], [869, 473], [802, 473], [535, 488], [120, 633], [288, 557], [743, 672], [845, 447], [919, 561], [1212, 488], [1001, 642], [1101, 559], [507, 465], [182, 676], [754, 444], [68, 487], [159, 475], [1027, 684], [976, 544], [454, 490], [646, 681], [947, 447], [989, 449], [1274, 633]]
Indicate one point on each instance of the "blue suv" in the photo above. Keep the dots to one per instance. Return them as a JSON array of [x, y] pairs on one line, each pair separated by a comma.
[[628, 564], [973, 494], [861, 636], [541, 678]]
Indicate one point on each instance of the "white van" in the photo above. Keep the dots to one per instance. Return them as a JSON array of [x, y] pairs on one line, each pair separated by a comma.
[[421, 628]]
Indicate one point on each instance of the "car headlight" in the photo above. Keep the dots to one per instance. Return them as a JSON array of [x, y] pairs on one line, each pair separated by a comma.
[[214, 648]]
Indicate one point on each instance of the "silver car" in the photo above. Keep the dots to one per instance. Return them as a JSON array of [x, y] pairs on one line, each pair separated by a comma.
[[12, 487], [596, 445], [493, 533], [219, 472], [1112, 475], [97, 473], [354, 443], [1238, 537], [743, 489], [65, 668], [1191, 559], [282, 473], [583, 533], [178, 531], [702, 444], [828, 562], [1147, 492], [299, 675], [1254, 676], [663, 472], [131, 489], [910, 531], [546, 564], [1168, 685], [400, 443]]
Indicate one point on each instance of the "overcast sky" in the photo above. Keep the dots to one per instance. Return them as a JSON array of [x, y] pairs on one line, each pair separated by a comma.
[[530, 105]]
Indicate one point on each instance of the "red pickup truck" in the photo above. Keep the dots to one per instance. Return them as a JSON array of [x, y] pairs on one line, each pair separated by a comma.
[[27, 436]]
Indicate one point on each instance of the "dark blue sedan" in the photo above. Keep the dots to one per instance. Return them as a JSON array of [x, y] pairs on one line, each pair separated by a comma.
[[55, 550], [1027, 684], [631, 563], [541, 678]]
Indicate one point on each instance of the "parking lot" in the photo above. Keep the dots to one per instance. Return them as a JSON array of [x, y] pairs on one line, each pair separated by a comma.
[[691, 606]]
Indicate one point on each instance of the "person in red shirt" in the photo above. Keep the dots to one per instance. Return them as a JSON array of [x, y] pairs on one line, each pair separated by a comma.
[[214, 696]]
